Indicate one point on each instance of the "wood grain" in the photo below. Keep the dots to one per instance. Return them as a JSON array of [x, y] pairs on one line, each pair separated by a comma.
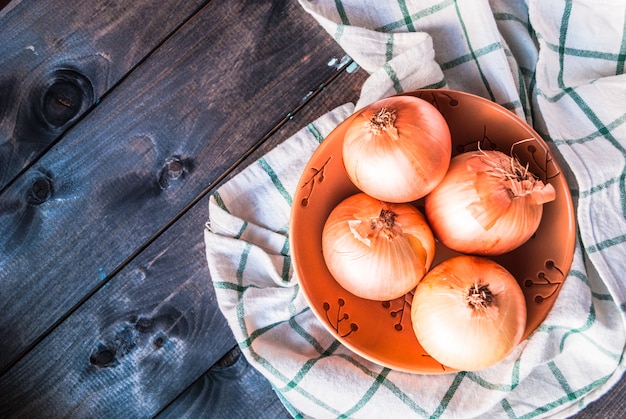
[[109, 338], [154, 329], [231, 389], [134, 346], [99, 195], [58, 58]]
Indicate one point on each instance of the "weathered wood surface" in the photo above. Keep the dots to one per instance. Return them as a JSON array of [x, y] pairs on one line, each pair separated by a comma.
[[155, 319], [108, 304], [120, 353], [58, 59], [146, 151], [116, 120], [218, 394]]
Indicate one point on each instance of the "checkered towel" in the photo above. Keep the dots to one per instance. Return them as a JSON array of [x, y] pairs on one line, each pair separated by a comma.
[[559, 64]]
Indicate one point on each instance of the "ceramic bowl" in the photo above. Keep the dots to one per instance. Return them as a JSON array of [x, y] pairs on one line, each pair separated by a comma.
[[381, 331]]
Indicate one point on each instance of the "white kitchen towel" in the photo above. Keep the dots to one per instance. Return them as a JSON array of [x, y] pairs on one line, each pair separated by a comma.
[[559, 64]]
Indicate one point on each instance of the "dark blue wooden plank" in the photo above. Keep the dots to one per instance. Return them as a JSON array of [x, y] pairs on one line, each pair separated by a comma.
[[108, 305], [59, 57], [132, 347], [138, 342], [97, 197], [230, 389]]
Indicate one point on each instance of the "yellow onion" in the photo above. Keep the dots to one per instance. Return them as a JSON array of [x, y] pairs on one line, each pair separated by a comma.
[[377, 250], [468, 313], [487, 204], [397, 149]]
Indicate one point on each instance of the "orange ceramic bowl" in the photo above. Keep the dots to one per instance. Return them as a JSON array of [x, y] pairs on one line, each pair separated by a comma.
[[382, 331]]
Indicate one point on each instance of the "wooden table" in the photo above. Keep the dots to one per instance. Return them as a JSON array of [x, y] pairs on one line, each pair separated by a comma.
[[117, 121]]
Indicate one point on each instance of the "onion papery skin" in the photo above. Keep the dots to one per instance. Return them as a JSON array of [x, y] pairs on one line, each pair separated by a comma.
[[402, 163], [456, 334], [474, 211], [376, 264]]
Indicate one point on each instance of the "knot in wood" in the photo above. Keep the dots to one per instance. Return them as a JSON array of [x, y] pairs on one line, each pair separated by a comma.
[[173, 169], [144, 325], [68, 93], [159, 341], [104, 357], [40, 191]]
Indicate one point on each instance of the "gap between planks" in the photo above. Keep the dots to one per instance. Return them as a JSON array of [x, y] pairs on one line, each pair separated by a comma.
[[210, 188], [131, 70]]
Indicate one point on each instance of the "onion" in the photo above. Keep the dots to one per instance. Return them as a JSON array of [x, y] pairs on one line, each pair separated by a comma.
[[377, 250], [397, 149], [487, 204], [468, 313]]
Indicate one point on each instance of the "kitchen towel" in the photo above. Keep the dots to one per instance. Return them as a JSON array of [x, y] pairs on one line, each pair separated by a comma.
[[558, 64]]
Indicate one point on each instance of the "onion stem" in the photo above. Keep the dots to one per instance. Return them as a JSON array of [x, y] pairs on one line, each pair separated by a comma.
[[522, 181], [384, 224], [479, 297], [382, 120], [387, 218]]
